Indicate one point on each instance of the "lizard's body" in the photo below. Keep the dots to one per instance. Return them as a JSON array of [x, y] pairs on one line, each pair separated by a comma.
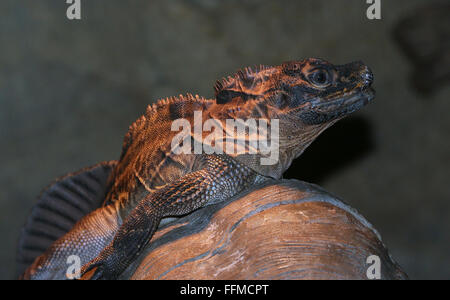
[[150, 182]]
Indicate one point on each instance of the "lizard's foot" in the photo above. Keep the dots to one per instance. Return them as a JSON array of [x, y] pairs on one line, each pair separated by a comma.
[[97, 275], [103, 267]]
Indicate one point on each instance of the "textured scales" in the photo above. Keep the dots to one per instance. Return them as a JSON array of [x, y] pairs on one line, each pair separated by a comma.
[[62, 204], [146, 162], [150, 182]]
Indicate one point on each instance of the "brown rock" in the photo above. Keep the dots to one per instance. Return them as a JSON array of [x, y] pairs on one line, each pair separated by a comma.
[[279, 230]]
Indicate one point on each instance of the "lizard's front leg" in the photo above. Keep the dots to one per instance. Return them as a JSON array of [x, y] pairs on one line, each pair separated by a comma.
[[221, 178]]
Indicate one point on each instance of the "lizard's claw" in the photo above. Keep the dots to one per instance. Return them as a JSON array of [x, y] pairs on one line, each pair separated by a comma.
[[89, 267], [102, 269], [107, 266]]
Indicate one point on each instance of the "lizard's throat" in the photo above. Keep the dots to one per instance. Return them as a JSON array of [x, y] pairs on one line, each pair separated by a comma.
[[292, 146]]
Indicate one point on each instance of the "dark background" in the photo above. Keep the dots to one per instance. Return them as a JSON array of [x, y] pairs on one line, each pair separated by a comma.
[[70, 89]]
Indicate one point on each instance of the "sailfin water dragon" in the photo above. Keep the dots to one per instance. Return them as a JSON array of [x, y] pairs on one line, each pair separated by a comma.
[[106, 214]]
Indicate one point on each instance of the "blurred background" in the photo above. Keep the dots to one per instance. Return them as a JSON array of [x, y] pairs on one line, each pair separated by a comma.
[[70, 89]]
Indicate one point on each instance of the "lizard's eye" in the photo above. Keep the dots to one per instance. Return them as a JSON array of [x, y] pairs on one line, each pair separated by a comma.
[[320, 78]]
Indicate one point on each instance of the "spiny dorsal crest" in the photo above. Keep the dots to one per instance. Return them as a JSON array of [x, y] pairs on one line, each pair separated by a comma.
[[246, 83], [155, 108]]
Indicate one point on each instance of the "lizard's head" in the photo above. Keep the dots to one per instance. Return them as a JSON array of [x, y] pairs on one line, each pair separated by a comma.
[[313, 90], [318, 92], [306, 97]]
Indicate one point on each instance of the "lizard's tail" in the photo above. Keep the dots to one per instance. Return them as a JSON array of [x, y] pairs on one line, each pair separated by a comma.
[[59, 207]]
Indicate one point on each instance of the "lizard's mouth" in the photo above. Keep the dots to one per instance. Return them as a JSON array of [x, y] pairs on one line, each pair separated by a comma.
[[345, 103], [337, 107]]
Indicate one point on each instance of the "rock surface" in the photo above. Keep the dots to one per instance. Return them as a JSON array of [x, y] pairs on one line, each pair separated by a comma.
[[279, 230]]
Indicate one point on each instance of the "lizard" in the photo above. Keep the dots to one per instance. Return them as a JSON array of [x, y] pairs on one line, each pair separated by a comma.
[[112, 210]]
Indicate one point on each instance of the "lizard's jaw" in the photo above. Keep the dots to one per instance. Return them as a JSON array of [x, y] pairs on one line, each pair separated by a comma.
[[322, 112], [345, 101]]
